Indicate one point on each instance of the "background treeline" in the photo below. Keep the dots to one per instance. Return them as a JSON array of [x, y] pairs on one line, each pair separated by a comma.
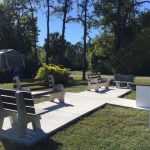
[[122, 45]]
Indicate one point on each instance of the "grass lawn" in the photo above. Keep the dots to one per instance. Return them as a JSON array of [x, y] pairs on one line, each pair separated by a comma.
[[109, 128], [132, 95]]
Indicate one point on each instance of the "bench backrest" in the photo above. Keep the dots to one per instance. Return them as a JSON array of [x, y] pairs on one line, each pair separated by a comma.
[[8, 101], [48, 83], [94, 77], [124, 77]]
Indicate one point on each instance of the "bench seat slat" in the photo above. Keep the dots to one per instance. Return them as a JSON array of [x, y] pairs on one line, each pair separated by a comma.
[[6, 99], [7, 92], [35, 84], [39, 88], [10, 106], [13, 107], [30, 110]]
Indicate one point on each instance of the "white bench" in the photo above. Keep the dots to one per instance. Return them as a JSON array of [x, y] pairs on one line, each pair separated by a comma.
[[56, 91], [19, 107], [123, 79], [95, 81]]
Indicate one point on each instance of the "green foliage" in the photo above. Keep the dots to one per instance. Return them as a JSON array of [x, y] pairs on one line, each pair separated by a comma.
[[70, 56], [99, 54], [57, 71], [123, 46], [74, 56], [18, 26], [42, 56]]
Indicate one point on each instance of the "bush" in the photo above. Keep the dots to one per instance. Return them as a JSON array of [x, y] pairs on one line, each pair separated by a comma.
[[58, 72], [5, 75]]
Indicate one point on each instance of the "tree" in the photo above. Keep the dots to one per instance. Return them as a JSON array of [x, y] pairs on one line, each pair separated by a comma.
[[85, 17], [74, 56], [63, 9], [119, 18], [54, 52], [32, 9], [99, 54], [16, 27]]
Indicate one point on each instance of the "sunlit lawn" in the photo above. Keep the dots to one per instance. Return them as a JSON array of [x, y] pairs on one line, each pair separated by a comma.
[[110, 128]]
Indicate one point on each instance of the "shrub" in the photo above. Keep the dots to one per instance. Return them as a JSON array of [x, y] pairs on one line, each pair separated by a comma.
[[58, 72]]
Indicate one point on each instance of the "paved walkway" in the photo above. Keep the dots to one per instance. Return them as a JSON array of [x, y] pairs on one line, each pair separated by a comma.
[[76, 105]]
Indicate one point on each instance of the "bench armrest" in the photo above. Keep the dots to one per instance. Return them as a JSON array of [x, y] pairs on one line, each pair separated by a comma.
[[104, 79], [58, 87]]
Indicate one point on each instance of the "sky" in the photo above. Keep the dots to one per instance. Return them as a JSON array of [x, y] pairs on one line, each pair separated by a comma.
[[74, 31]]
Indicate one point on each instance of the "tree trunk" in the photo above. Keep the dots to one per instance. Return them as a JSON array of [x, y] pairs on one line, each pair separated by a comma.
[[85, 44], [64, 19], [118, 30], [64, 27], [48, 20], [34, 35]]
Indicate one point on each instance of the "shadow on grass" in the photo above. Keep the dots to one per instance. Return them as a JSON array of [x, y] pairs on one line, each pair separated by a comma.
[[45, 144]]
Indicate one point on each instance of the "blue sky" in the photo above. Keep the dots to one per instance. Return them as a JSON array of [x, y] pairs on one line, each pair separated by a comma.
[[74, 31]]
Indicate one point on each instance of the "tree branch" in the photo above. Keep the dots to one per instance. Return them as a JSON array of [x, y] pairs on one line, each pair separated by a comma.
[[142, 2], [71, 19]]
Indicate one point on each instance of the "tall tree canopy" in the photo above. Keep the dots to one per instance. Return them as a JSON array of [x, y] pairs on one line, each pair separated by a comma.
[[120, 19]]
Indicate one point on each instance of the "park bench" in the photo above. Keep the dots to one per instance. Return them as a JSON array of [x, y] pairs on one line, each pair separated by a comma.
[[95, 81], [123, 79], [19, 107], [56, 91]]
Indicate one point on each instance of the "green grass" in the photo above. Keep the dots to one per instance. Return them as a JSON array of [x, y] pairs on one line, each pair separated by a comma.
[[109, 128], [142, 81], [139, 80], [6, 85], [77, 86], [131, 95]]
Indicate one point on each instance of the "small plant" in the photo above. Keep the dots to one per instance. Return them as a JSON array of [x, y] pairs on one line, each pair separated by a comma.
[[58, 72]]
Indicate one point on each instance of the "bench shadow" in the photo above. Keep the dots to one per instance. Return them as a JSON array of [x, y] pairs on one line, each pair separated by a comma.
[[60, 105], [44, 144], [104, 91]]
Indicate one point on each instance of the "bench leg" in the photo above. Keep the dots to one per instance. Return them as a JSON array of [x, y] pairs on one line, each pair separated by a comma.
[[21, 126], [107, 85], [128, 86], [89, 88], [97, 88], [118, 85], [13, 119], [61, 97], [36, 123], [21, 129], [1, 122]]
